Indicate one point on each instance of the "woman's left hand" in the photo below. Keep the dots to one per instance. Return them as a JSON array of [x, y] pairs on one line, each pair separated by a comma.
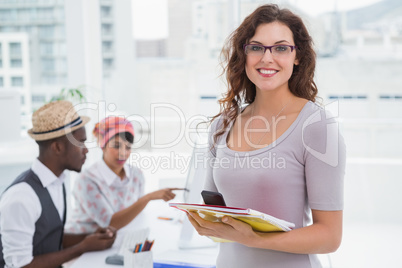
[[165, 194], [229, 228]]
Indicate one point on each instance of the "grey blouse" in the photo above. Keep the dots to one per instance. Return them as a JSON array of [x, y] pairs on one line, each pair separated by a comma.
[[302, 170]]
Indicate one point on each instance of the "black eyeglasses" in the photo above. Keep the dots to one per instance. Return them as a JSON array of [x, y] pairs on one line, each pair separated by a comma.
[[276, 50]]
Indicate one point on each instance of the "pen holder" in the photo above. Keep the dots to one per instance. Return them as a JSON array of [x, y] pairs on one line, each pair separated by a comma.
[[138, 260]]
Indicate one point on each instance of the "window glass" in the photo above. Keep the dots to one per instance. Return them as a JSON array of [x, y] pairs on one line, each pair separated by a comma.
[[17, 81], [15, 63], [15, 49]]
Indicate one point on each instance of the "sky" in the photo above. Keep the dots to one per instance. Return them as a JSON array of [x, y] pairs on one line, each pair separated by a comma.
[[150, 19], [315, 7], [150, 16]]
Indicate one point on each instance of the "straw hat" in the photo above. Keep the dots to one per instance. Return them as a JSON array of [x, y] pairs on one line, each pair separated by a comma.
[[55, 119]]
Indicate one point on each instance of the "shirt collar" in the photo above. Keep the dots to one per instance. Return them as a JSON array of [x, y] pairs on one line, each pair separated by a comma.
[[45, 175], [108, 175]]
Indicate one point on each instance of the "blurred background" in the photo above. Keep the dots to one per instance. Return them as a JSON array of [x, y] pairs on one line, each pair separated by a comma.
[[156, 62]]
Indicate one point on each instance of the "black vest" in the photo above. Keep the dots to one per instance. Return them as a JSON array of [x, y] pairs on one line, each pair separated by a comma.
[[49, 228]]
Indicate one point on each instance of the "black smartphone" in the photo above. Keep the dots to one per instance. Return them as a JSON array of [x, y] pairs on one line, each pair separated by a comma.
[[213, 198]]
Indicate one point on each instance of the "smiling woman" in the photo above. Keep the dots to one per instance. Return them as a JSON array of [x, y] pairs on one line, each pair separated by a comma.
[[261, 65], [269, 112]]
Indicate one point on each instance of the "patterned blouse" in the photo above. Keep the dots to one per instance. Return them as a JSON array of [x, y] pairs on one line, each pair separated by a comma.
[[99, 193]]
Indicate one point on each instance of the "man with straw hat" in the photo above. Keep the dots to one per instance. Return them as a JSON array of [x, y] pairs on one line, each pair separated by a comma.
[[33, 207]]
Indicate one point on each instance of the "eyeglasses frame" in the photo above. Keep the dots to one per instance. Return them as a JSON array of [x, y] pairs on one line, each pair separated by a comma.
[[269, 47]]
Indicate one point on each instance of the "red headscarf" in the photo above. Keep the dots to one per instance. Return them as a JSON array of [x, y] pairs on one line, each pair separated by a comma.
[[110, 126]]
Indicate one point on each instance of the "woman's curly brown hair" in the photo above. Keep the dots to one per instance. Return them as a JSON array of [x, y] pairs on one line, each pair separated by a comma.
[[240, 88]]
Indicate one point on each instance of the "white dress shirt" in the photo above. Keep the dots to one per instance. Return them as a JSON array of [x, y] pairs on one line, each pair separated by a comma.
[[20, 208]]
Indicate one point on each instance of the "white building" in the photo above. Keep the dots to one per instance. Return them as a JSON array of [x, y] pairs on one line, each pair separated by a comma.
[[14, 70], [75, 43], [83, 47], [44, 21], [118, 55]]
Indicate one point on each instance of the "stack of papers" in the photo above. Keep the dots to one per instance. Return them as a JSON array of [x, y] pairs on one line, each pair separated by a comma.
[[259, 221]]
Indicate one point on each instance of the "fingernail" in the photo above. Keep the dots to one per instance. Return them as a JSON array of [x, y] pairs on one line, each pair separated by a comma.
[[224, 219]]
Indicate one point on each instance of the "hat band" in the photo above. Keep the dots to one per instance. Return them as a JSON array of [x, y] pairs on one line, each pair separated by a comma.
[[74, 123]]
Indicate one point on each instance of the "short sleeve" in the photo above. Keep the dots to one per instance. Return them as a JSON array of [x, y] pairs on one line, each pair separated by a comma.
[[325, 158], [93, 201]]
